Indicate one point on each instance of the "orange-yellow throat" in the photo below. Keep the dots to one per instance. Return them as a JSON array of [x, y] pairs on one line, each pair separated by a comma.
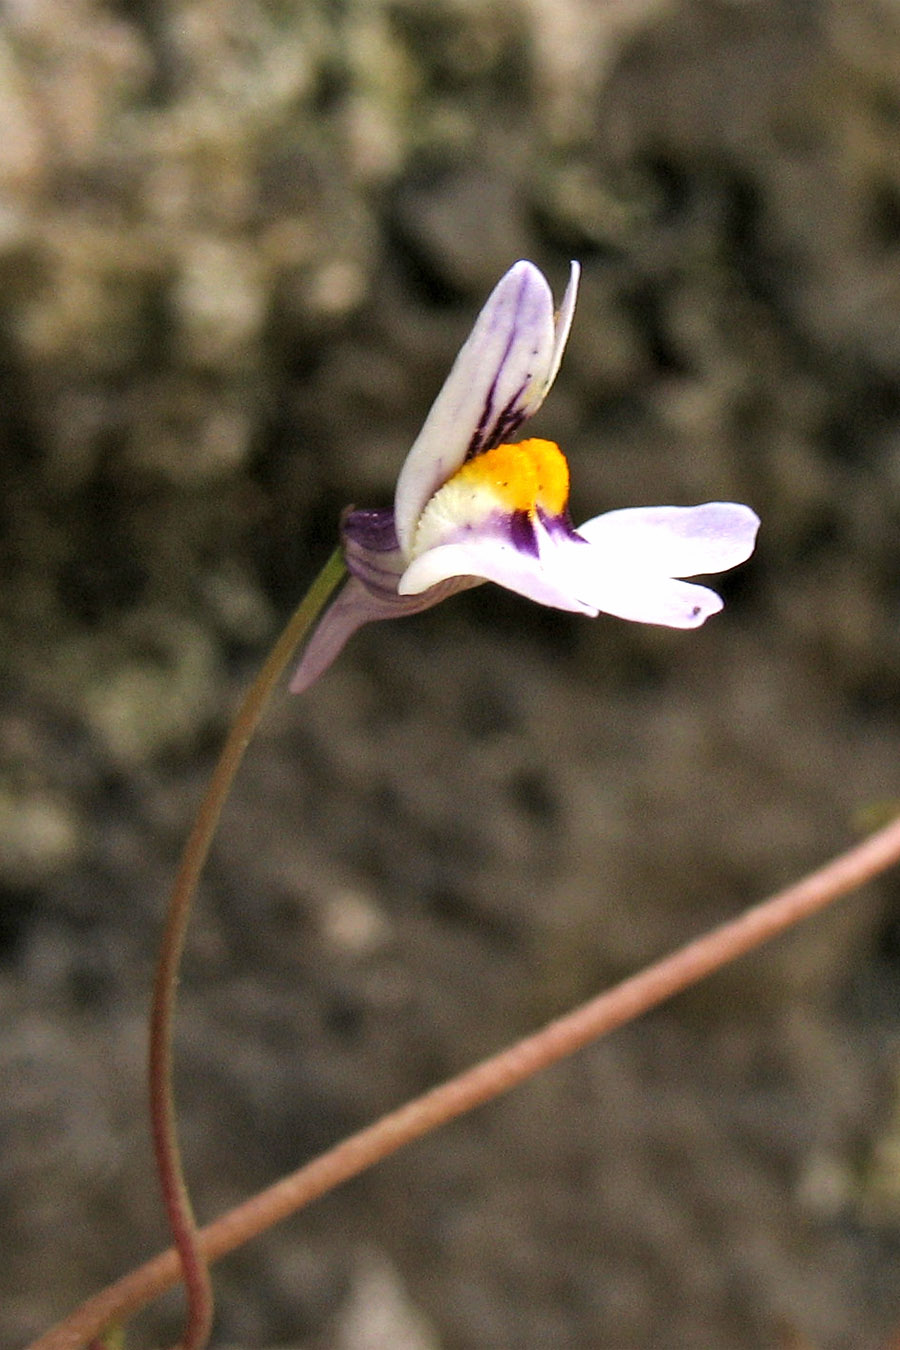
[[510, 478], [524, 476]]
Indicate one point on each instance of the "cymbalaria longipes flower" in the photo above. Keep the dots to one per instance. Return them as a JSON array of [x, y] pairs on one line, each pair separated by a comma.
[[470, 506]]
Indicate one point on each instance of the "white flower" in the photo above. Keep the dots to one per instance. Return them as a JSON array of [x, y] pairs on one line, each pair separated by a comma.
[[471, 506]]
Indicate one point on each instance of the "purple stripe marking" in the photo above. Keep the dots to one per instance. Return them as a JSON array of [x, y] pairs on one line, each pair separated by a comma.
[[507, 420], [560, 525], [522, 533]]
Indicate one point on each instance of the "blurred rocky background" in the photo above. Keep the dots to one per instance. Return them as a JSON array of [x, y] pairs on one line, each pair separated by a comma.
[[240, 243]]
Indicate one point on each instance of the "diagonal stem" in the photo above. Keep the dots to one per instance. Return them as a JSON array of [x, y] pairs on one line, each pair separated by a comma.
[[489, 1079], [182, 1223]]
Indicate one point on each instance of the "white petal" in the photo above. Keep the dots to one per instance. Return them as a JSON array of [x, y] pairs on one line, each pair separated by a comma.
[[569, 573], [499, 377], [496, 560], [675, 604], [563, 324], [601, 582], [675, 541]]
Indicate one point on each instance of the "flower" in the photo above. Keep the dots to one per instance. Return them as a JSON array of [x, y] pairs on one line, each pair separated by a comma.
[[470, 506]]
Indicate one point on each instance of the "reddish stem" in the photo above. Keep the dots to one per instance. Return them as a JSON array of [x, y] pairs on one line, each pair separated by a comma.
[[487, 1080], [164, 1128]]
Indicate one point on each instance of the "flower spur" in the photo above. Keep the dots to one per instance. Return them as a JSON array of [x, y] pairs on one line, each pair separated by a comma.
[[470, 506]]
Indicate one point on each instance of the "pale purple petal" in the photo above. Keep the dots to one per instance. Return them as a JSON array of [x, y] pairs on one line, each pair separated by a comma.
[[626, 563], [354, 605], [661, 600], [494, 558], [623, 585], [369, 594], [563, 324], [674, 541], [498, 379], [371, 551], [566, 572]]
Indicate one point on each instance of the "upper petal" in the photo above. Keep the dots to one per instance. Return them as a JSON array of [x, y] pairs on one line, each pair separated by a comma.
[[675, 541], [499, 378], [563, 324]]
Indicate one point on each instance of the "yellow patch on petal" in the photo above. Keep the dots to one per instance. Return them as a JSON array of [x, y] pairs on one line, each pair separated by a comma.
[[522, 477], [507, 479]]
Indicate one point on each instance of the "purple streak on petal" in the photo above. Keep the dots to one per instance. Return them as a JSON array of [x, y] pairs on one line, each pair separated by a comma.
[[522, 532], [504, 425], [560, 527], [483, 435], [496, 427], [543, 367], [518, 528], [493, 428], [499, 376]]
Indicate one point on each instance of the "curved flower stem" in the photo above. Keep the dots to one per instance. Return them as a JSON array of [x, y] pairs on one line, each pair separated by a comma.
[[487, 1080], [177, 1202]]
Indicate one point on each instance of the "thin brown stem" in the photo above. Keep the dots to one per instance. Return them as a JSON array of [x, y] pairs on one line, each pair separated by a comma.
[[177, 1202], [488, 1079]]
